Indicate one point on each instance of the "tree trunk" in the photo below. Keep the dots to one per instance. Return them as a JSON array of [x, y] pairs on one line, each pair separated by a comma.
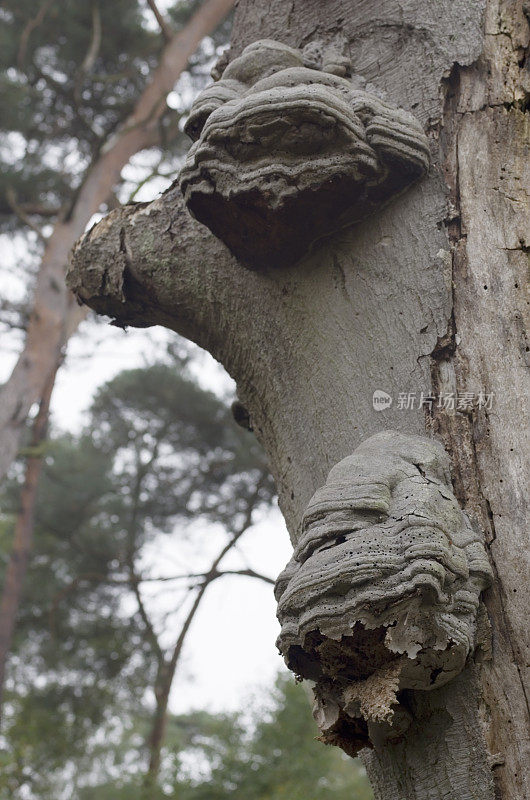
[[23, 539], [54, 315], [421, 296], [164, 682]]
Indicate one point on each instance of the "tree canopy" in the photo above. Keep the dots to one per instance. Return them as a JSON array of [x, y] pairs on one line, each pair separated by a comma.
[[87, 649], [70, 74]]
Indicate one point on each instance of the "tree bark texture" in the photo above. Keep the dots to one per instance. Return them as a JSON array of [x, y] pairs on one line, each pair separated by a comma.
[[54, 315], [425, 295], [486, 147]]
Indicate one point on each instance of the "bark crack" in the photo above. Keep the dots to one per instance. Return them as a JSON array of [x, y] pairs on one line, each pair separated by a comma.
[[487, 129]]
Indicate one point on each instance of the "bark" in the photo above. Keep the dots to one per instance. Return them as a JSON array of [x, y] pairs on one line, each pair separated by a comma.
[[396, 303], [23, 539], [486, 141], [54, 316], [164, 682]]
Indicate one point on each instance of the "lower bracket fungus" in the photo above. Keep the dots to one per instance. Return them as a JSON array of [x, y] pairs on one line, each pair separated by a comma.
[[288, 150], [382, 592]]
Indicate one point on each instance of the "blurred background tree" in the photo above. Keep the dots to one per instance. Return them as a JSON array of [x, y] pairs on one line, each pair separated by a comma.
[[71, 74], [267, 754], [89, 644], [84, 90], [89, 120]]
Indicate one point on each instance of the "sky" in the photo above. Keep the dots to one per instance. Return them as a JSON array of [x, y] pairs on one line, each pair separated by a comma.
[[230, 653]]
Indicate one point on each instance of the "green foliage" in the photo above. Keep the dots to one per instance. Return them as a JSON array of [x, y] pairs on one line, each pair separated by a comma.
[[70, 74], [158, 454], [49, 105], [279, 760], [77, 659], [218, 463], [270, 754]]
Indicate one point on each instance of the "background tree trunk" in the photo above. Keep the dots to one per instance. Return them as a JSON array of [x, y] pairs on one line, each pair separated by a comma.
[[23, 539], [424, 296]]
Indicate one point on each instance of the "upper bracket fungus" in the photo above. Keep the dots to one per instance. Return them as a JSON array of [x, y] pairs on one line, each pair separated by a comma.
[[289, 150], [382, 591]]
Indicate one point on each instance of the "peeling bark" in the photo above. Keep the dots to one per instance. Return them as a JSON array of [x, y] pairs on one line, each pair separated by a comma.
[[392, 303], [486, 152]]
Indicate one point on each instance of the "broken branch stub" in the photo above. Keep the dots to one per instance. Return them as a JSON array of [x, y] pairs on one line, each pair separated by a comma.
[[382, 591], [288, 151]]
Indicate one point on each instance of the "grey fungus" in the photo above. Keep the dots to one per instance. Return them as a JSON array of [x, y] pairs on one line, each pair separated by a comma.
[[288, 150], [382, 592]]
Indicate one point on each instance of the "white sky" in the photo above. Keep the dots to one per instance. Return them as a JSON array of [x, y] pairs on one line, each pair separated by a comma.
[[230, 652]]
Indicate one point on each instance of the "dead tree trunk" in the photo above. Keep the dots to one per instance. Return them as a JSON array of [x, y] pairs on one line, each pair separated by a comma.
[[356, 286]]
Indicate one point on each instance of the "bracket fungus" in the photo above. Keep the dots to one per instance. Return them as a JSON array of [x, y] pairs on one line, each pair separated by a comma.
[[288, 150], [382, 591]]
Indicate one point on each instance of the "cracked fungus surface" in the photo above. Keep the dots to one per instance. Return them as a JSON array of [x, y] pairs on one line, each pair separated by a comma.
[[382, 591], [288, 150]]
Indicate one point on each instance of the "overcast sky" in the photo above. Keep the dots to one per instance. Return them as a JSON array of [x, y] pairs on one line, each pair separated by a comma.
[[230, 652], [231, 649]]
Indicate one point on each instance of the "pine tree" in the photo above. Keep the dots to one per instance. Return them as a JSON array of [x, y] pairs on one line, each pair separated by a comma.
[[160, 457]]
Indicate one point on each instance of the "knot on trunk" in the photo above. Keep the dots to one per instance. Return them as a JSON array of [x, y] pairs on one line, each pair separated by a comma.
[[382, 591], [288, 151]]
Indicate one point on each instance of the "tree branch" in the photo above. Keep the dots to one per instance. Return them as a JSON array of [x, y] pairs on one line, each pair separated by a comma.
[[174, 293], [30, 27], [142, 470], [250, 573], [134, 583], [40, 209], [213, 573], [52, 319], [201, 575], [92, 52], [24, 530], [166, 676], [165, 27]]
